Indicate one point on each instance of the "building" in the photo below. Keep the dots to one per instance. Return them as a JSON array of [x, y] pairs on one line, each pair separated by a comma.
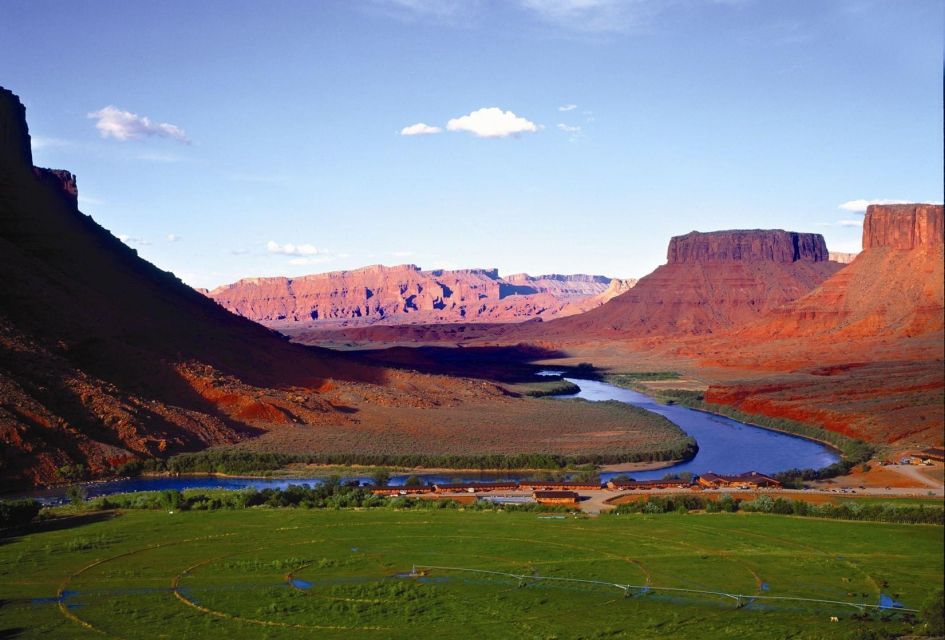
[[933, 453], [749, 480], [398, 491], [474, 487], [631, 485], [555, 497], [559, 486]]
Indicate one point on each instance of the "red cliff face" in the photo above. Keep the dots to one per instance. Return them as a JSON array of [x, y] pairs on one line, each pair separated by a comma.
[[407, 295], [903, 226], [756, 245]]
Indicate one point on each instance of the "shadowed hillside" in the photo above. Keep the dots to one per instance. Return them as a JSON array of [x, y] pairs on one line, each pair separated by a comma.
[[103, 356]]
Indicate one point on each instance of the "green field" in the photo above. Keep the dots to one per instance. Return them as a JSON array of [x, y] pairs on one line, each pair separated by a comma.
[[228, 574]]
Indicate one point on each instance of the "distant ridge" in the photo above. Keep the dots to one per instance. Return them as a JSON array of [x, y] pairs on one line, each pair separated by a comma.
[[405, 294]]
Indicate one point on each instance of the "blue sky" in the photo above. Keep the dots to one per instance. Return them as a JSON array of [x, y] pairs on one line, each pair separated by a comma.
[[230, 139]]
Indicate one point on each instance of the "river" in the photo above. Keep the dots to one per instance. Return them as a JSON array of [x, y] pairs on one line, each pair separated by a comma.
[[725, 446]]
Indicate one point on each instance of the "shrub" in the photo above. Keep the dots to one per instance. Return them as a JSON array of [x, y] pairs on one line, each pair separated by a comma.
[[17, 513]]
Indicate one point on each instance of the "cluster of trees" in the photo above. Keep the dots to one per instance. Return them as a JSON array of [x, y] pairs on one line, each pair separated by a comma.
[[247, 462], [906, 514], [17, 513], [331, 494]]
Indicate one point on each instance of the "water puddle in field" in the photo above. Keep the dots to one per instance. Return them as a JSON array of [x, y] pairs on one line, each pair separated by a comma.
[[300, 584], [886, 602]]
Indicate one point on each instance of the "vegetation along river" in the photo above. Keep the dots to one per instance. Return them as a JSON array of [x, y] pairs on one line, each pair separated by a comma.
[[725, 446]]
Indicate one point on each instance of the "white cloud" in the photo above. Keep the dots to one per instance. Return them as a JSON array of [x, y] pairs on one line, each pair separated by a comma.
[[860, 205], [567, 107], [492, 122], [112, 122], [290, 249], [130, 240], [401, 254], [42, 142], [569, 128], [420, 129], [850, 223], [598, 16], [173, 237]]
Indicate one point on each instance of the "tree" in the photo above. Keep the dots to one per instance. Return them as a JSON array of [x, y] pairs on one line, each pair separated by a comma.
[[380, 478], [76, 495], [413, 481], [17, 513], [933, 612]]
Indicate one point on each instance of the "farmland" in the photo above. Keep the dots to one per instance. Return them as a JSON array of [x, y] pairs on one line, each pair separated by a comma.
[[284, 573]]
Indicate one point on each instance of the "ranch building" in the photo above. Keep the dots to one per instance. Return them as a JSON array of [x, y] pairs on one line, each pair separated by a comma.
[[750, 480], [555, 497]]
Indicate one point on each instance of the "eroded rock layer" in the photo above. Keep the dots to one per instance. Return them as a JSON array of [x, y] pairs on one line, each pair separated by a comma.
[[406, 294]]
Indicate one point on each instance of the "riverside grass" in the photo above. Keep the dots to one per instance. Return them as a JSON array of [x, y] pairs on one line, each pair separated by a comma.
[[288, 573]]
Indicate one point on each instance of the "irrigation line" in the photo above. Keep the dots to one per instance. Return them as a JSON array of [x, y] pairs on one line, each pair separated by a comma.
[[741, 599]]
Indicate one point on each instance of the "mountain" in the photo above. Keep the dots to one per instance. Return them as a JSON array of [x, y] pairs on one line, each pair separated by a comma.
[[841, 257], [711, 282], [104, 357], [893, 288], [865, 348], [406, 294]]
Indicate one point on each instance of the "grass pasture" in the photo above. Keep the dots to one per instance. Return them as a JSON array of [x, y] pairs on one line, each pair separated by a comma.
[[287, 573]]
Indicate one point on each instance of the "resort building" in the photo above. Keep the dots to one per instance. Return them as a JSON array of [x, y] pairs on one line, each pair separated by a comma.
[[555, 497], [559, 486], [750, 480], [474, 487], [630, 485]]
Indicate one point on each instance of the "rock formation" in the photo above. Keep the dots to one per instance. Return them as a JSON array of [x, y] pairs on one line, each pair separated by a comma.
[[105, 358], [841, 257], [406, 294], [902, 226], [738, 246], [892, 288], [711, 282]]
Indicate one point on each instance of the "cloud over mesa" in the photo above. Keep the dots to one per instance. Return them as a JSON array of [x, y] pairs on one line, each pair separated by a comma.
[[113, 122], [861, 204], [492, 122], [291, 249]]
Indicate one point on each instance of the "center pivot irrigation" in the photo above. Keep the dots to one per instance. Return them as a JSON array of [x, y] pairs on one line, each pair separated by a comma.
[[741, 599]]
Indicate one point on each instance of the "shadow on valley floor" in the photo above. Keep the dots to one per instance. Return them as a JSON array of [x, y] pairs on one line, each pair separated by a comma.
[[499, 364], [56, 524]]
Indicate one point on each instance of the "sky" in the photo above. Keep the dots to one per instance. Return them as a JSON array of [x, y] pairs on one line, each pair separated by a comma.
[[225, 139]]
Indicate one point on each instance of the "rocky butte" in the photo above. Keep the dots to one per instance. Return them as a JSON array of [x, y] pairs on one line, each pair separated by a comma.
[[711, 282], [405, 294], [865, 347]]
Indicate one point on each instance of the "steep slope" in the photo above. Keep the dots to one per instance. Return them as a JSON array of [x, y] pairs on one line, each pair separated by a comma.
[[711, 282], [103, 356], [407, 295], [866, 348], [892, 288]]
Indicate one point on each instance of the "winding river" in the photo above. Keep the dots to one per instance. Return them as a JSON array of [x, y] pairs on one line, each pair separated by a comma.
[[725, 446]]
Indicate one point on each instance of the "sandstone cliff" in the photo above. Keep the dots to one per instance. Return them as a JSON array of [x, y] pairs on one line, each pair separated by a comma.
[[711, 282], [903, 226], [406, 294], [841, 257], [892, 288], [105, 358]]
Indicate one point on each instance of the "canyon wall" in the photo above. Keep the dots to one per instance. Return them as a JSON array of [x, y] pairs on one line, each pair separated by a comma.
[[407, 294]]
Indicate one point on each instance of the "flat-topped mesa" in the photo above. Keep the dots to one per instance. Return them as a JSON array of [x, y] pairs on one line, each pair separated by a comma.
[[903, 226], [753, 245]]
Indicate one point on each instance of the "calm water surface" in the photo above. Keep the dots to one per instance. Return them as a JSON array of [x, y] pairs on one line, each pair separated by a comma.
[[725, 446]]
